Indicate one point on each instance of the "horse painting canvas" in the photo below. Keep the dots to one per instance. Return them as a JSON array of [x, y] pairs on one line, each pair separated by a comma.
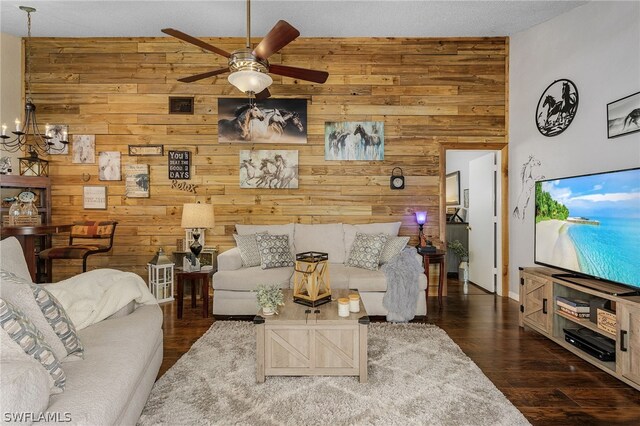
[[58, 133], [84, 149], [274, 169], [354, 141], [557, 107], [265, 121], [623, 116]]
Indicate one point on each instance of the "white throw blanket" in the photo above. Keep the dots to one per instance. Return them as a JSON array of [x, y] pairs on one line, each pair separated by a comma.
[[403, 286], [93, 296]]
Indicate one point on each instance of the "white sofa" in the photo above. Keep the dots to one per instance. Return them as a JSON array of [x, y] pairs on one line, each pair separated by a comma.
[[123, 353], [233, 283]]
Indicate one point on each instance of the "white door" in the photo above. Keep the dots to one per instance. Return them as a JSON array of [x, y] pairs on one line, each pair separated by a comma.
[[482, 217]]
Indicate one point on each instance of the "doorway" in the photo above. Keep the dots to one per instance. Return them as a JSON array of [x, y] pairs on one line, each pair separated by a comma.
[[479, 218]]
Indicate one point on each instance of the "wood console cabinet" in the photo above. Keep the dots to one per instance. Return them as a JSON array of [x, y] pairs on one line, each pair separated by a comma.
[[538, 311]]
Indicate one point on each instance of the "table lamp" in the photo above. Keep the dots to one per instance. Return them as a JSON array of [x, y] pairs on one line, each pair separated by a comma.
[[197, 217], [421, 218], [424, 246]]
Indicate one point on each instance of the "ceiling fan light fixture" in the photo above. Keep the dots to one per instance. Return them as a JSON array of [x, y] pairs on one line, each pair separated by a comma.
[[250, 80]]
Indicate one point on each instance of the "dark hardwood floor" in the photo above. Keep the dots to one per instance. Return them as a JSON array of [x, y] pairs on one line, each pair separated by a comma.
[[545, 382]]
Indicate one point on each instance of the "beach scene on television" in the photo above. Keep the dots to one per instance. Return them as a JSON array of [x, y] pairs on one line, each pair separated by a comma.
[[591, 225]]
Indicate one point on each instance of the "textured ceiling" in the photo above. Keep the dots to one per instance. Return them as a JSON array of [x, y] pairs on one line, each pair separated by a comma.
[[321, 18]]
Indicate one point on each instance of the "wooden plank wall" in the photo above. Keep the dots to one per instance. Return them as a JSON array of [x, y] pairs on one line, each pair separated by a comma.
[[427, 91]]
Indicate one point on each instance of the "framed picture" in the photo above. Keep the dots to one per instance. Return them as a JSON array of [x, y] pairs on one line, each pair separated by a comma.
[[276, 169], [453, 189], [272, 121], [208, 256], [623, 116], [84, 149], [136, 180], [465, 196], [354, 140], [94, 197], [149, 150], [109, 166], [180, 105], [58, 133]]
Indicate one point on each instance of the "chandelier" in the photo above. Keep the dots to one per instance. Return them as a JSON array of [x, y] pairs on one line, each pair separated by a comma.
[[27, 133]]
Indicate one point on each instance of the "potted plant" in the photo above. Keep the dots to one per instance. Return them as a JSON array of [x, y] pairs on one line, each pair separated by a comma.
[[269, 297], [462, 252]]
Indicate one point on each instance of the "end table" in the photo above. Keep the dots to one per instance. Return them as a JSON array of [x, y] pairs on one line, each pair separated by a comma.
[[435, 257], [204, 277]]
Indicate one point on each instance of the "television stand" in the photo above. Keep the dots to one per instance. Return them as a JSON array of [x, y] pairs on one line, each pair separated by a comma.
[[598, 285], [539, 287]]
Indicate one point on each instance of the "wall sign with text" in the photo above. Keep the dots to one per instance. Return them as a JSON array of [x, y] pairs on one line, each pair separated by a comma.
[[179, 165]]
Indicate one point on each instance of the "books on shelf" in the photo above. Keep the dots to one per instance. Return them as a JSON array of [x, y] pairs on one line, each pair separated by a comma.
[[574, 313], [576, 303], [581, 309]]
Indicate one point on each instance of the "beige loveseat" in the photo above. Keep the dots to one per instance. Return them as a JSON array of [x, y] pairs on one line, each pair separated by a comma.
[[233, 283], [110, 386]]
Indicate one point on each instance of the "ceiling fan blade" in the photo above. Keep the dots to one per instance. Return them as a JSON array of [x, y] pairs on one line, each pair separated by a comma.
[[186, 37], [263, 95], [197, 77], [301, 73], [280, 35]]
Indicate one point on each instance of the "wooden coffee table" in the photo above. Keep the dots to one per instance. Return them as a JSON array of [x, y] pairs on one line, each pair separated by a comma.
[[295, 343]]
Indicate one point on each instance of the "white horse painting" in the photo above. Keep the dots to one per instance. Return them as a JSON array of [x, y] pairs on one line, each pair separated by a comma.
[[274, 169], [109, 166]]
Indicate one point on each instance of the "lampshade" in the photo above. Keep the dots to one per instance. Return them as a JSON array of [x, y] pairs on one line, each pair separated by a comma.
[[197, 215], [421, 218], [250, 80]]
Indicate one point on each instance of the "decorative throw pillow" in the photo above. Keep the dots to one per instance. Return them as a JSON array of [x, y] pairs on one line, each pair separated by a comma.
[[392, 248], [22, 331], [366, 250], [44, 311], [248, 247], [274, 251]]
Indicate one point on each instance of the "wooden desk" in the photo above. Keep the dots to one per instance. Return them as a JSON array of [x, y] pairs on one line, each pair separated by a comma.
[[436, 257], [27, 235], [204, 277]]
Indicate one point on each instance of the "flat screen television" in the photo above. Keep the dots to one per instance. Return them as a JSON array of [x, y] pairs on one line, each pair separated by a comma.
[[590, 225]]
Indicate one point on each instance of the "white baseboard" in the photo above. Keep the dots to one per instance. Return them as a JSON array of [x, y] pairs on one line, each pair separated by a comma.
[[514, 296]]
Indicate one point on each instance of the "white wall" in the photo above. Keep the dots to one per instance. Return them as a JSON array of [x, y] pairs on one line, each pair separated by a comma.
[[11, 105], [597, 46]]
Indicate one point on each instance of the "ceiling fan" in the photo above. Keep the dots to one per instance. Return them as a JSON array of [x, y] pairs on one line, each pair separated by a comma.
[[249, 67]]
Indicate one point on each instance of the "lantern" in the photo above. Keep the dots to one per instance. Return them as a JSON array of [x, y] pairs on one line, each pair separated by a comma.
[[311, 286], [161, 277], [33, 166]]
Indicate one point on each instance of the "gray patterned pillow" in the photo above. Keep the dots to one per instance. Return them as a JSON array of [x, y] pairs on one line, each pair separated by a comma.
[[393, 248], [274, 251], [58, 320], [44, 311], [248, 249], [31, 340], [366, 250]]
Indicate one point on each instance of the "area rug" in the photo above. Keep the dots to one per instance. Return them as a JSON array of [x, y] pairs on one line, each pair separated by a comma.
[[417, 376]]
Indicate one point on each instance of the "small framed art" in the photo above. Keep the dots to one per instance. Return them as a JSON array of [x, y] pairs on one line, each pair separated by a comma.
[[149, 150], [623, 116], [180, 105], [94, 197]]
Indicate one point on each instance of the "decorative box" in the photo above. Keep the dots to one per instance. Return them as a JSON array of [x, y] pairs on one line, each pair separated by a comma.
[[607, 321]]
